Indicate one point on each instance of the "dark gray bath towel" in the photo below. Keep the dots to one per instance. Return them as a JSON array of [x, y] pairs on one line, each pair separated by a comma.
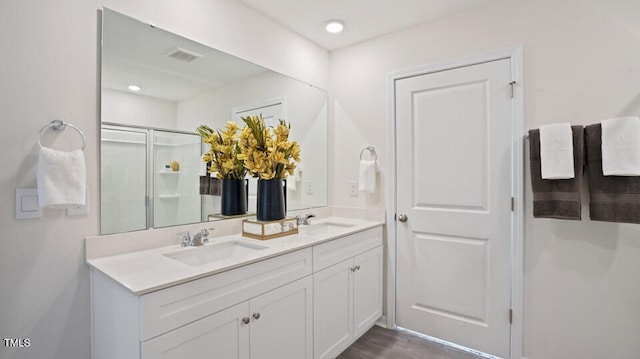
[[611, 198], [210, 185], [557, 198]]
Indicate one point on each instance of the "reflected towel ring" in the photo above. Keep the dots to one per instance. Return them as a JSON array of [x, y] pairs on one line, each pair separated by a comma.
[[59, 125], [372, 150]]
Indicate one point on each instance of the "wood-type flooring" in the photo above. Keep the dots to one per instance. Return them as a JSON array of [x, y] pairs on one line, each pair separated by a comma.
[[380, 343]]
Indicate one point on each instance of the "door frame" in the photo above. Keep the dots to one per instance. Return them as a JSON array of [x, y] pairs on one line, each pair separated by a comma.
[[515, 55]]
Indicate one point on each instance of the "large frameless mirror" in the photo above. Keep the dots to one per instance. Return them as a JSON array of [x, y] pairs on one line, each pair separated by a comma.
[[157, 88]]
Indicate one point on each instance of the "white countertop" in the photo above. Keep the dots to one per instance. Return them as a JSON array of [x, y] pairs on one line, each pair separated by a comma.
[[150, 270]]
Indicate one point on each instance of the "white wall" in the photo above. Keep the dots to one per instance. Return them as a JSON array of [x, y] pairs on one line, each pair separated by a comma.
[[130, 109], [53, 73], [582, 64], [306, 111]]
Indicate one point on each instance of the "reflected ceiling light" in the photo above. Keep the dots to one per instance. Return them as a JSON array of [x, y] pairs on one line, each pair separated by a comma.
[[334, 26], [134, 88]]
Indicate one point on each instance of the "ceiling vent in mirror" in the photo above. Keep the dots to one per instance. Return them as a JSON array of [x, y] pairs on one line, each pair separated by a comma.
[[183, 55]]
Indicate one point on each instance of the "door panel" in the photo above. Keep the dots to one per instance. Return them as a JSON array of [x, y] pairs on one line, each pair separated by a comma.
[[454, 184], [284, 327], [367, 290], [333, 309], [221, 335]]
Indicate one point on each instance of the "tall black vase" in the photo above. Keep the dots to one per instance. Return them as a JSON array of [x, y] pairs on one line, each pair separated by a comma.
[[272, 204], [234, 197]]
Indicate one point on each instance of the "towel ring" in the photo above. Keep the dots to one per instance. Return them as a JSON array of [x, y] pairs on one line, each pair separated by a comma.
[[372, 150], [59, 125]]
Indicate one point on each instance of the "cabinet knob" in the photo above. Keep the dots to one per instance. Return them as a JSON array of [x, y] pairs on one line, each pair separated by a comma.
[[353, 269], [246, 320], [402, 218], [256, 315], [358, 267]]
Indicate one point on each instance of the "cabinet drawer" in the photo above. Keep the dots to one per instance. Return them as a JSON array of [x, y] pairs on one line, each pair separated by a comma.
[[336, 251], [170, 308]]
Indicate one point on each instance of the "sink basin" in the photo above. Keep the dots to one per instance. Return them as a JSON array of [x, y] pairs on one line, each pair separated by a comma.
[[325, 227], [215, 252]]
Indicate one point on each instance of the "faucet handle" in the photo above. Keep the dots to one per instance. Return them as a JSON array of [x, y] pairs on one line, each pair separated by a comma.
[[185, 238], [205, 234]]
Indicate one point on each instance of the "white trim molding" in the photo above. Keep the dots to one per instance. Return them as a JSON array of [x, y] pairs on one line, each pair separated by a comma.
[[517, 184]]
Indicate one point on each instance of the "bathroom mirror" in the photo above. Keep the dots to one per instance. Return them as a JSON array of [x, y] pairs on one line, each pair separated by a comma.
[[156, 89]]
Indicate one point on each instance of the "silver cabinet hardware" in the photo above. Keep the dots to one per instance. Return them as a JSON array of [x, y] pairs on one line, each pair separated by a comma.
[[246, 320], [403, 218], [256, 316]]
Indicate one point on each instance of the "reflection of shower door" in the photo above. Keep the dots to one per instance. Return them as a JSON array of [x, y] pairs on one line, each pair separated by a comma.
[[176, 195], [123, 190], [138, 191]]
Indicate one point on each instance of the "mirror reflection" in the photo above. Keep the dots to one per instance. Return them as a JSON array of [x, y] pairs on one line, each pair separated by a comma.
[[157, 88]]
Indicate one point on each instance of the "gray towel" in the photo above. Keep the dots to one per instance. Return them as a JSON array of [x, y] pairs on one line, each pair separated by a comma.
[[210, 185], [557, 198], [611, 198]]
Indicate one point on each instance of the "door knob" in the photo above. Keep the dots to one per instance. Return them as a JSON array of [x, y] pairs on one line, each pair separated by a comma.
[[246, 320], [256, 315], [402, 218]]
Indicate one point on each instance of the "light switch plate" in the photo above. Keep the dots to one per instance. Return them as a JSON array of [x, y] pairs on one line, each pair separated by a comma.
[[27, 203]]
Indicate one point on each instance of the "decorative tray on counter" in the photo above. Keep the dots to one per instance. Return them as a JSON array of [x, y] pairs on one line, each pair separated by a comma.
[[253, 228]]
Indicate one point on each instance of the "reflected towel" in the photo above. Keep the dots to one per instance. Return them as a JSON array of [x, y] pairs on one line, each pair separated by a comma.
[[292, 181], [621, 146], [556, 198], [556, 151], [611, 198], [62, 178], [367, 176]]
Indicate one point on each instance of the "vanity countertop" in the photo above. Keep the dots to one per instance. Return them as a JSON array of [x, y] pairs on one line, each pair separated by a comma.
[[146, 271]]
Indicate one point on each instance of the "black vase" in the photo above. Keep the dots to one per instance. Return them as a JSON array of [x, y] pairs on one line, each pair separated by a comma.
[[234, 197], [272, 203]]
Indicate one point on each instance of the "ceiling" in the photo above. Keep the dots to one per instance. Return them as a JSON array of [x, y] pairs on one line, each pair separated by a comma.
[[364, 19], [136, 53]]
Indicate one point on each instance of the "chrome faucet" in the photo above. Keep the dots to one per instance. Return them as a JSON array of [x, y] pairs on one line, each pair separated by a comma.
[[198, 239], [306, 220]]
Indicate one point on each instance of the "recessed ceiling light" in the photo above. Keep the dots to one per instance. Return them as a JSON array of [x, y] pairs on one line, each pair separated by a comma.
[[334, 26], [134, 88]]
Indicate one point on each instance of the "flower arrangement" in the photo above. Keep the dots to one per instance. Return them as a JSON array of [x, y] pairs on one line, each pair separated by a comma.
[[224, 152], [267, 152]]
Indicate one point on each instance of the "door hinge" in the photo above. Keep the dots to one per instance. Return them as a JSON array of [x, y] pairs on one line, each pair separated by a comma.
[[513, 204], [512, 85], [510, 316]]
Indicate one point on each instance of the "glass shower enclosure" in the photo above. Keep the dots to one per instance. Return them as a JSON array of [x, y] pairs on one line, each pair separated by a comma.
[[149, 178]]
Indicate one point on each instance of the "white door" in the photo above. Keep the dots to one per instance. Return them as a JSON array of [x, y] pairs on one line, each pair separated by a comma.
[[454, 186], [282, 322]]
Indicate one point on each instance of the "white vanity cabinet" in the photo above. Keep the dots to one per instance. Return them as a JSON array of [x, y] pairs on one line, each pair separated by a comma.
[[268, 301], [347, 283], [311, 299], [276, 324]]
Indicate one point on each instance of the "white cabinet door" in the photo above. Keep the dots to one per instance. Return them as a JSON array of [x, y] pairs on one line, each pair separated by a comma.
[[282, 322], [221, 335], [367, 289], [333, 309]]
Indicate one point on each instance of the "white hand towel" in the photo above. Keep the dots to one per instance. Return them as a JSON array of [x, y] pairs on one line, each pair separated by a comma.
[[556, 151], [367, 176], [62, 178], [621, 146]]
